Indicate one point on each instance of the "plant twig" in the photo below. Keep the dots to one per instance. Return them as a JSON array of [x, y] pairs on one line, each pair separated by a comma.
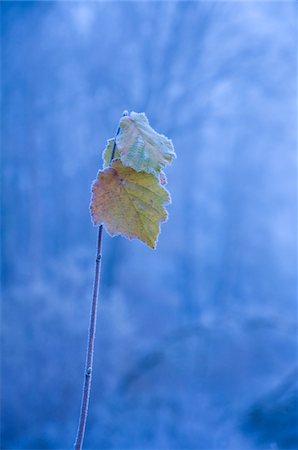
[[125, 113], [90, 347], [91, 334]]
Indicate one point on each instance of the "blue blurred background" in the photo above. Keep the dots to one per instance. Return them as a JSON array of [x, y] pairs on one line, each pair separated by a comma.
[[196, 342]]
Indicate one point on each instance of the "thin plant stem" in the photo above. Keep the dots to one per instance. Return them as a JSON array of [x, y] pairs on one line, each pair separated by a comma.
[[125, 113], [90, 347], [91, 333]]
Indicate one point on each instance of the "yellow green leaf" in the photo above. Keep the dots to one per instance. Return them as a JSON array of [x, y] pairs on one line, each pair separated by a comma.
[[107, 153], [128, 202], [141, 147]]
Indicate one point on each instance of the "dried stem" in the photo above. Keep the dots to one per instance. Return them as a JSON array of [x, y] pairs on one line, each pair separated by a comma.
[[91, 333], [90, 347]]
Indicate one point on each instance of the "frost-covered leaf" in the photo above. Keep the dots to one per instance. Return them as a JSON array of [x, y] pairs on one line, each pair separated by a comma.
[[129, 203], [141, 147], [107, 153]]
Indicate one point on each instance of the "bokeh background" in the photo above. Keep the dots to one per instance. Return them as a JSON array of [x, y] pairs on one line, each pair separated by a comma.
[[196, 342]]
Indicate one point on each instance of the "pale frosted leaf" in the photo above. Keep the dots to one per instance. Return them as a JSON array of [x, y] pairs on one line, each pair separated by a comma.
[[141, 147]]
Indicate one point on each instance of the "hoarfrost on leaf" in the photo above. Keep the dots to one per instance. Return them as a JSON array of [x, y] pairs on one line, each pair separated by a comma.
[[128, 202], [141, 147]]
